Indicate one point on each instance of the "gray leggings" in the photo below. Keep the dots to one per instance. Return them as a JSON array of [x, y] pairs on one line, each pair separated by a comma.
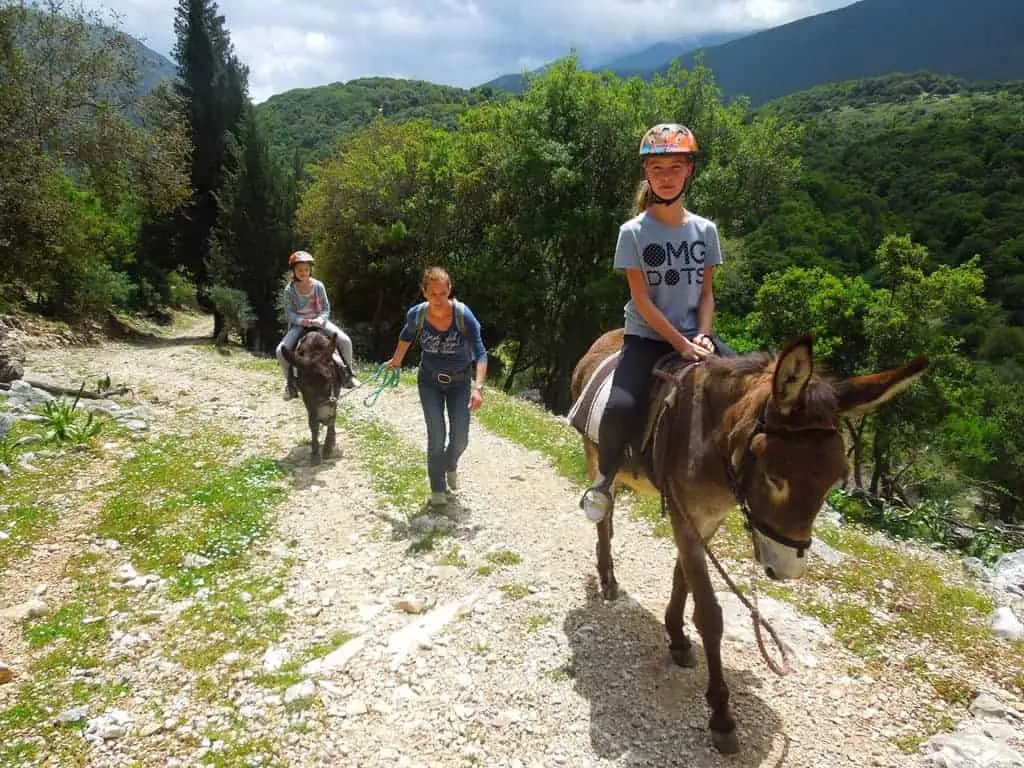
[[342, 342]]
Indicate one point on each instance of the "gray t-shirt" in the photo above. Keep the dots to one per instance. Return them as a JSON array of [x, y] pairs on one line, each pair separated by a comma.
[[672, 260]]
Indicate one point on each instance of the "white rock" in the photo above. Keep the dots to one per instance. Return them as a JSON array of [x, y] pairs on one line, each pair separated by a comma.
[[985, 705], [1005, 624], [274, 658], [1008, 575], [356, 707], [336, 659], [250, 712], [73, 715], [969, 749], [405, 640], [192, 560], [300, 692], [126, 573], [231, 657], [30, 609], [151, 730]]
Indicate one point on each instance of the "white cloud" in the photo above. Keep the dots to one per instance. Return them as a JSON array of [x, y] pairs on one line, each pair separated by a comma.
[[304, 43]]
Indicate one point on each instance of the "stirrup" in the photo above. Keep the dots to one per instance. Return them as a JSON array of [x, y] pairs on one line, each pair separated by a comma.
[[596, 503]]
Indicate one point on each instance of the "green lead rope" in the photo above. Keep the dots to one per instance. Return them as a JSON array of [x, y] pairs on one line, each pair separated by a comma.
[[381, 379]]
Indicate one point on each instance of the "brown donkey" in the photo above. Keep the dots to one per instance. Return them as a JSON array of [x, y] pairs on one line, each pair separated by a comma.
[[758, 430], [319, 380]]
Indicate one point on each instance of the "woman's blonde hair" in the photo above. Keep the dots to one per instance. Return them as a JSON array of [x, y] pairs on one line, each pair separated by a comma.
[[643, 198], [431, 274]]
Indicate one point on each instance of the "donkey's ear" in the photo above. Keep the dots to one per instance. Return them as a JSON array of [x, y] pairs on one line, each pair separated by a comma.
[[792, 372], [862, 394]]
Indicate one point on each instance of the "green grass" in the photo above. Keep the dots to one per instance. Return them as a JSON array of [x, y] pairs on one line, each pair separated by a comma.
[[30, 502], [66, 624], [397, 468], [251, 362], [533, 623], [532, 427], [504, 557], [514, 591], [179, 496], [289, 672], [453, 557], [226, 622]]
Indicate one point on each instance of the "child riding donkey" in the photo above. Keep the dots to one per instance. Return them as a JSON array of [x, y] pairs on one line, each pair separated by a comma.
[[308, 308]]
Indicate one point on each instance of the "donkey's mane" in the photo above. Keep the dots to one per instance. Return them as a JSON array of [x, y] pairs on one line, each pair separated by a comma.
[[747, 380], [315, 345]]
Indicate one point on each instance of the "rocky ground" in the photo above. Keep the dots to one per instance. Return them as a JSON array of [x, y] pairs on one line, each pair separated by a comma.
[[390, 636]]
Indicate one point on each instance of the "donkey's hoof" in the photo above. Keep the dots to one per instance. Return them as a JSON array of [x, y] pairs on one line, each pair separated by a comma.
[[726, 742], [684, 656], [610, 590], [315, 460]]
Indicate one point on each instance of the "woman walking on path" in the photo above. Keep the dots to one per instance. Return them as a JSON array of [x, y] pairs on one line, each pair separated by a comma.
[[450, 342]]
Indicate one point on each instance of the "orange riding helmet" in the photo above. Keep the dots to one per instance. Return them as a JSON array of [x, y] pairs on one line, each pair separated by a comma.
[[300, 257], [668, 139]]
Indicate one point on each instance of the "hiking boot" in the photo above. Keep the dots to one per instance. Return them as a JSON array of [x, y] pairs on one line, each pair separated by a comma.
[[452, 478], [354, 382], [596, 503], [289, 392], [438, 499]]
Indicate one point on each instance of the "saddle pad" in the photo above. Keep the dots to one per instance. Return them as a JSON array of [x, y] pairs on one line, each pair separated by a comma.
[[585, 414]]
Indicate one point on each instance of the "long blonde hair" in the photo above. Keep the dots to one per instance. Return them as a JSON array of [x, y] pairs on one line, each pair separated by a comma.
[[643, 198]]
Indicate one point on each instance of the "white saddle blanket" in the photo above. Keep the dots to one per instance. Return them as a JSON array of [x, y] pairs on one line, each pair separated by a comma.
[[585, 414]]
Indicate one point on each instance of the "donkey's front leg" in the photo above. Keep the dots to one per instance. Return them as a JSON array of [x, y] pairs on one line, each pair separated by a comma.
[[707, 618], [329, 439], [314, 437]]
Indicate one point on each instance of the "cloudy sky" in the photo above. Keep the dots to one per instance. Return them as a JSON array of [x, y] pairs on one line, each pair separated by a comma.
[[303, 43]]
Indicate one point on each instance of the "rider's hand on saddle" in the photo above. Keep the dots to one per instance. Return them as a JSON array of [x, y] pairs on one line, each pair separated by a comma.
[[705, 341], [688, 350]]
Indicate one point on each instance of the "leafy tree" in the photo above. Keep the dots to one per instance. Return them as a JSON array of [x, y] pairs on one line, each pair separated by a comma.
[[365, 221], [72, 163], [860, 329]]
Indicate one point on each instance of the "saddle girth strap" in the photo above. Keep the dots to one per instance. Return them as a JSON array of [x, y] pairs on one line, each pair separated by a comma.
[[661, 456]]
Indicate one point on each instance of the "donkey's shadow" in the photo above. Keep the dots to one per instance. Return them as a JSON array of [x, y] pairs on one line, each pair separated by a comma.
[[645, 710], [305, 472]]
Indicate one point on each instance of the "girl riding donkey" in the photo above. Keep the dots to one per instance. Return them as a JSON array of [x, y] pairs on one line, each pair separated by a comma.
[[307, 307], [669, 255]]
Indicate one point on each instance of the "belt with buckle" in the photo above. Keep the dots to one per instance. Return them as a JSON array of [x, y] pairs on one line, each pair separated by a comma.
[[444, 378]]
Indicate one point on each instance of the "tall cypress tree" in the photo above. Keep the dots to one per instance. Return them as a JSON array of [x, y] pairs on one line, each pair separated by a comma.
[[254, 229], [212, 82]]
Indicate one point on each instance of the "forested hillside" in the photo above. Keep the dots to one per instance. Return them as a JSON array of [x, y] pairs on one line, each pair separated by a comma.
[[307, 121]]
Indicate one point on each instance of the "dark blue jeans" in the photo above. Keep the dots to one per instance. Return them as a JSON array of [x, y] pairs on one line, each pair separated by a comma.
[[434, 398]]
